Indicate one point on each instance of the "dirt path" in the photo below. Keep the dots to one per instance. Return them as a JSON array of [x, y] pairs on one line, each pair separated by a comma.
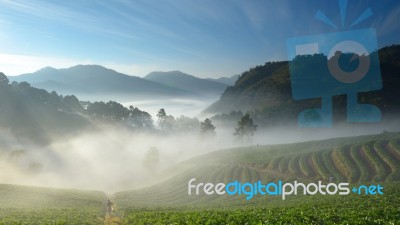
[[112, 220]]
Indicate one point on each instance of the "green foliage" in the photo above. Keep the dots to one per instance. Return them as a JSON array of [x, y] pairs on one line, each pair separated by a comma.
[[352, 209], [116, 112], [207, 128], [50, 216], [139, 119], [22, 205], [109, 111], [245, 129]]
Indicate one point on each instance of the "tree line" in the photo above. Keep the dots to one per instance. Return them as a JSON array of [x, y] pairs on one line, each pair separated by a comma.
[[28, 108]]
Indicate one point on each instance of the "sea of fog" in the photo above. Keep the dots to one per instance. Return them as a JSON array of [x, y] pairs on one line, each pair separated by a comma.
[[175, 107], [111, 158]]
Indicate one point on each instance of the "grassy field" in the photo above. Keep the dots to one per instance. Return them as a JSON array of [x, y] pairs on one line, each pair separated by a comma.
[[22, 205]]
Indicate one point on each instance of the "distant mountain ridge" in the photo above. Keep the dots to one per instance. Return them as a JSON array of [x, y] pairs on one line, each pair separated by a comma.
[[186, 82], [94, 82], [230, 81]]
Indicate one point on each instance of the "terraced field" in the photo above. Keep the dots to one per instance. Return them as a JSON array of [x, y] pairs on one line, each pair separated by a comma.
[[373, 158]]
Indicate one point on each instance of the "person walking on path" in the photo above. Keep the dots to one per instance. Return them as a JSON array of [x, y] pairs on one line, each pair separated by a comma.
[[109, 207]]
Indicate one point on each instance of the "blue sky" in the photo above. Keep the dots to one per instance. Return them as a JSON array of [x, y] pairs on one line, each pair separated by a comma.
[[205, 38]]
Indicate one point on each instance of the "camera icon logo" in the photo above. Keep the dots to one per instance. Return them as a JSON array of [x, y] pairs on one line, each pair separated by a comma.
[[327, 65]]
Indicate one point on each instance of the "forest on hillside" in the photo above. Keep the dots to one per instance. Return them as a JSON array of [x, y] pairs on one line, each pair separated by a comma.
[[265, 92]]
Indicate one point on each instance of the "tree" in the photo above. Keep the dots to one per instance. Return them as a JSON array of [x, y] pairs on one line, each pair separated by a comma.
[[111, 110], [161, 115], [3, 79], [151, 159], [187, 124], [245, 128], [140, 119], [166, 122], [72, 104], [207, 128]]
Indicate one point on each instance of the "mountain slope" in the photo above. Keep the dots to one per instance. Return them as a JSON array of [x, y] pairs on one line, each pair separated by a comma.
[[95, 82], [266, 91], [266, 85], [177, 79]]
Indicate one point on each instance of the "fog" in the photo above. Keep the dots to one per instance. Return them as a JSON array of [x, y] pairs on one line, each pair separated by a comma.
[[174, 107], [111, 159], [289, 134]]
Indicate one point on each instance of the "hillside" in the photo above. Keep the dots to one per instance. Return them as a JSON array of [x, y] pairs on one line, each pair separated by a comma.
[[37, 205], [29, 114], [189, 83], [362, 159], [93, 82], [265, 90]]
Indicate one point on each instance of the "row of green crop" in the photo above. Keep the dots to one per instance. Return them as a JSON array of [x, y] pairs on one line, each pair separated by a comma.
[[329, 164], [231, 174], [238, 173], [395, 146], [293, 166], [381, 171], [352, 163], [273, 164], [283, 164], [50, 216], [382, 150], [319, 209], [305, 167], [320, 166], [353, 172], [361, 163]]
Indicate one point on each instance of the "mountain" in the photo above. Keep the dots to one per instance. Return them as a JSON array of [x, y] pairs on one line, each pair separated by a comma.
[[263, 86], [186, 82], [94, 82], [229, 81], [265, 91]]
